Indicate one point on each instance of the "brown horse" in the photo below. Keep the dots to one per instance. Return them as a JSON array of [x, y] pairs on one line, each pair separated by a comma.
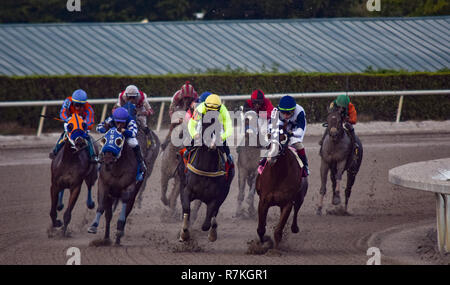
[[338, 155], [117, 181], [69, 169], [280, 184]]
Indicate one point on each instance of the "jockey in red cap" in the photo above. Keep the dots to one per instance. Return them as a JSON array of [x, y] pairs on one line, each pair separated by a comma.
[[259, 103]]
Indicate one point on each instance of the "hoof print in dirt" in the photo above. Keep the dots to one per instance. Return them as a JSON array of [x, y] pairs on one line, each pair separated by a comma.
[[256, 247], [187, 246]]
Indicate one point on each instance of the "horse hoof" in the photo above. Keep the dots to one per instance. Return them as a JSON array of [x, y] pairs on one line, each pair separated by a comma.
[[91, 205], [60, 207], [184, 236], [319, 211], [92, 230], [336, 200], [294, 229], [212, 236], [57, 224]]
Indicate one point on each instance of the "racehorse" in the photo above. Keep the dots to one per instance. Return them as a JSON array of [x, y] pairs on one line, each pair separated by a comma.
[[69, 169], [150, 146], [205, 180], [172, 167], [247, 161], [280, 184], [117, 181], [338, 155]]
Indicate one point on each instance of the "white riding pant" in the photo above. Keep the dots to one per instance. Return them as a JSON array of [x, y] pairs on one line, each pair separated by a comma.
[[132, 142]]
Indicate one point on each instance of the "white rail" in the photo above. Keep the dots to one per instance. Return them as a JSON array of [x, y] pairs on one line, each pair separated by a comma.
[[105, 102]]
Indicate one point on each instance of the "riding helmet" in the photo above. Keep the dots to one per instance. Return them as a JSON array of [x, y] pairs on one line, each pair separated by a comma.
[[131, 91], [213, 102], [287, 103], [204, 96], [342, 101], [120, 115], [79, 96], [187, 90]]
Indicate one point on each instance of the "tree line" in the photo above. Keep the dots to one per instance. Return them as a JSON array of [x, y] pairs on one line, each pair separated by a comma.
[[45, 11]]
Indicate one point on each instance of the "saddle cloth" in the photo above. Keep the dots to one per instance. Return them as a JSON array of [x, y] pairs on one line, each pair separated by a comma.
[[294, 151], [224, 165]]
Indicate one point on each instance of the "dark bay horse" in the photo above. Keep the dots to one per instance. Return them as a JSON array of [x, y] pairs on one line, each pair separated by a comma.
[[117, 181], [280, 184], [338, 155], [205, 180], [69, 169]]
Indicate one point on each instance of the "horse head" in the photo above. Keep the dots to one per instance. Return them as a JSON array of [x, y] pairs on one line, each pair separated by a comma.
[[112, 145], [278, 143], [250, 123], [334, 125], [211, 129], [77, 132]]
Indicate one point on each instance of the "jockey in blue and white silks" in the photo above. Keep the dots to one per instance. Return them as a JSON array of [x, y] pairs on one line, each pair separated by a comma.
[[128, 127], [293, 116]]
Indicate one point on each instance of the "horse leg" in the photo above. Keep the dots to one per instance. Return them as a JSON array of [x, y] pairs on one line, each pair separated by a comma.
[[240, 197], [60, 200], [324, 167], [74, 192], [53, 214], [186, 204], [108, 216], [348, 190], [284, 215], [121, 223], [164, 184], [210, 209], [194, 211], [263, 209], [298, 203], [100, 209], [250, 197], [340, 167], [212, 235], [174, 195], [336, 200], [90, 181], [89, 203]]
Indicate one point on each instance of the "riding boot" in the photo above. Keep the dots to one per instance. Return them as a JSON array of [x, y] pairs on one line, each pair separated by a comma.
[[58, 146], [302, 155], [141, 164], [92, 156], [351, 133]]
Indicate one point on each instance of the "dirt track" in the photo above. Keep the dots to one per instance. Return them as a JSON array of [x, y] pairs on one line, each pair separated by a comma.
[[375, 205]]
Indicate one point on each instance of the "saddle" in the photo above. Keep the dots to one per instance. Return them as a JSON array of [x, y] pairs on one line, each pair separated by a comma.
[[190, 157], [299, 161]]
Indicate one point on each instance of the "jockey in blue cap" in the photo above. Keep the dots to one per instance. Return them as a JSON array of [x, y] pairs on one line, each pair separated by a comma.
[[128, 127], [76, 104], [293, 117]]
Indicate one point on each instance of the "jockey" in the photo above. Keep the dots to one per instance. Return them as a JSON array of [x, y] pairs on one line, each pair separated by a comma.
[[135, 96], [213, 103], [293, 115], [259, 103], [194, 104], [186, 91], [127, 126], [77, 103], [348, 112]]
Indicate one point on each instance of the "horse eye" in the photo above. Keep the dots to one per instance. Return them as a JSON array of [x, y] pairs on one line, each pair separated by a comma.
[[103, 141]]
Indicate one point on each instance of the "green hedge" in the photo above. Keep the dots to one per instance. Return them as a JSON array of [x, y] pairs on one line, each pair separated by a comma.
[[369, 108]]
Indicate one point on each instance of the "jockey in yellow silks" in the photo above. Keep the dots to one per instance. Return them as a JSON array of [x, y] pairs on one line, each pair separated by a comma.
[[213, 103]]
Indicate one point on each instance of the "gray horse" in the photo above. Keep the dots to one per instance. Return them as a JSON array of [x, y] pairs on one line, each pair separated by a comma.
[[171, 161], [247, 161], [338, 155]]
